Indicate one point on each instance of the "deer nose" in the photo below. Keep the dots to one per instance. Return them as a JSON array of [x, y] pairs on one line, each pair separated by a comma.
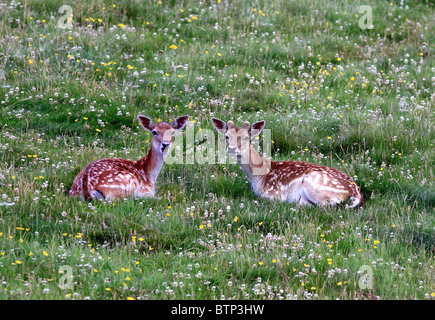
[[165, 144]]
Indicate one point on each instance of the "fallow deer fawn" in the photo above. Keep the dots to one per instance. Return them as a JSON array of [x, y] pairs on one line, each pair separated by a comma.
[[119, 178], [289, 181]]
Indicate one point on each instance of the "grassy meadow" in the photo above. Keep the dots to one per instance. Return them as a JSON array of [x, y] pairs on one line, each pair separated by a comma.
[[359, 100]]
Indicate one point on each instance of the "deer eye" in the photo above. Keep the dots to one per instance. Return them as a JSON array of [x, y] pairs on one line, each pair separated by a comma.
[[154, 132], [246, 138], [227, 137]]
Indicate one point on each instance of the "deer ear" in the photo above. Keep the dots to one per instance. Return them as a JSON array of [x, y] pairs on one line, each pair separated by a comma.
[[146, 122], [256, 128], [220, 126], [180, 122]]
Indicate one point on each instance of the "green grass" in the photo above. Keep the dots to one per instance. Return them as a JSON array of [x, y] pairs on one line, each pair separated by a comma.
[[357, 100]]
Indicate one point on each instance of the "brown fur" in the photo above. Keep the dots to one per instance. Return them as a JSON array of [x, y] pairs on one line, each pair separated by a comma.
[[119, 178], [290, 181]]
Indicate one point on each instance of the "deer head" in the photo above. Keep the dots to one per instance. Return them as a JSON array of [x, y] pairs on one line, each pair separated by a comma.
[[163, 133], [239, 145], [238, 138]]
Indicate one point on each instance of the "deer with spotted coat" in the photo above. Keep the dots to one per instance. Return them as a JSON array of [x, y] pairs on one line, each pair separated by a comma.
[[298, 182], [119, 178]]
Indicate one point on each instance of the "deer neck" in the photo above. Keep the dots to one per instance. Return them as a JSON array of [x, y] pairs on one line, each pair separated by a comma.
[[254, 166], [151, 164]]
